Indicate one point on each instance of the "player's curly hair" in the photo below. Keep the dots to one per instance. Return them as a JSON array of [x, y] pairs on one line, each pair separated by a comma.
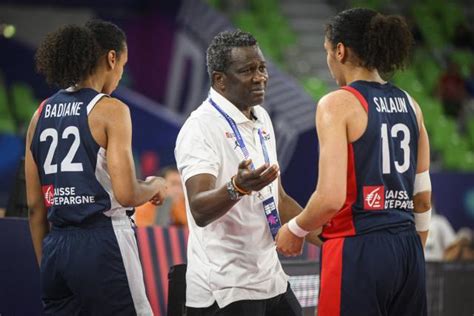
[[219, 51], [70, 54], [383, 42]]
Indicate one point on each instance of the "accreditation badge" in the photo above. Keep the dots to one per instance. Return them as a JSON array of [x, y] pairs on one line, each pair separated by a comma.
[[270, 210]]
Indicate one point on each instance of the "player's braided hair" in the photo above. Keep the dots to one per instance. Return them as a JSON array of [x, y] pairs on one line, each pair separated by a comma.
[[383, 42], [219, 51], [70, 54]]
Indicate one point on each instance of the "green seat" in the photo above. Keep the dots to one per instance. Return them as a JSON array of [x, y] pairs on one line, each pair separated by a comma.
[[470, 132], [464, 59], [454, 152], [428, 71], [214, 3], [432, 109], [444, 134], [315, 87], [24, 101], [7, 123], [432, 23], [468, 164], [408, 80], [452, 15]]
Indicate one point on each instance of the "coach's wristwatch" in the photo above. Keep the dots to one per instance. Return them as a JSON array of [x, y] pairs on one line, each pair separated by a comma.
[[233, 193]]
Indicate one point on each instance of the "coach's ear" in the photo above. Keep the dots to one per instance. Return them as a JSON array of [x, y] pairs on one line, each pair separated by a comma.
[[218, 80]]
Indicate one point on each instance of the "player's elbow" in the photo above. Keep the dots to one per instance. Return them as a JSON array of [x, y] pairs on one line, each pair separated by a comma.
[[334, 206], [126, 199], [36, 209], [36, 214], [332, 203], [332, 196], [129, 192]]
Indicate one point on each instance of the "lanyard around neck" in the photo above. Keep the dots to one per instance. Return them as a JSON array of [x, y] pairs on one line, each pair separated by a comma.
[[239, 137]]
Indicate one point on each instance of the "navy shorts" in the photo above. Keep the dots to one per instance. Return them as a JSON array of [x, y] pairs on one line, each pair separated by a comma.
[[285, 304], [93, 270], [380, 273]]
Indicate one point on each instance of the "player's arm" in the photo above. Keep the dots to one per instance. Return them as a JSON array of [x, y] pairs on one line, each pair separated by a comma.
[[327, 200], [422, 186], [208, 202], [127, 189], [289, 209], [37, 215]]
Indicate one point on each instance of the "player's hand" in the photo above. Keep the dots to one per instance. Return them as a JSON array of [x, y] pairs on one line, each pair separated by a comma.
[[255, 180], [287, 243], [313, 237], [160, 187]]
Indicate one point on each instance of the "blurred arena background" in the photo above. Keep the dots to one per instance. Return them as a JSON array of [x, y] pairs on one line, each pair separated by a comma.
[[166, 79]]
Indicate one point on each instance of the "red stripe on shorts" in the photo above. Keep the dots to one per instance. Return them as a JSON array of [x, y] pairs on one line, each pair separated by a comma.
[[331, 278]]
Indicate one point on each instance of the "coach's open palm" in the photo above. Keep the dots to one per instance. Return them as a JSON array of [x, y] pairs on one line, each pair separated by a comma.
[[287, 243], [257, 179]]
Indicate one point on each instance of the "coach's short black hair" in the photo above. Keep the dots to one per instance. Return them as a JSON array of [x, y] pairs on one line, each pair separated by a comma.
[[219, 51]]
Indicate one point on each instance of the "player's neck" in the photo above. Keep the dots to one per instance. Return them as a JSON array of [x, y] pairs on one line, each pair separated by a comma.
[[91, 83], [95, 81], [360, 73]]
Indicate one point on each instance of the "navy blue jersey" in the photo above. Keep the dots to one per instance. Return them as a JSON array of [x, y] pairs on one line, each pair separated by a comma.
[[72, 166], [381, 164]]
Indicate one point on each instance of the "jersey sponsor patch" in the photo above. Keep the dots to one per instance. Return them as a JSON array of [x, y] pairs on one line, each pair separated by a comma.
[[374, 197], [229, 135], [64, 196], [48, 194], [265, 135]]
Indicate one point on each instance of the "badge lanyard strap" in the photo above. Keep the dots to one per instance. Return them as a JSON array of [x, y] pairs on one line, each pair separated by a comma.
[[269, 207], [239, 138]]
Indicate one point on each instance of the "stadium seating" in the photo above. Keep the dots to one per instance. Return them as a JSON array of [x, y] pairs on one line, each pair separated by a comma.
[[7, 124], [437, 22], [24, 102]]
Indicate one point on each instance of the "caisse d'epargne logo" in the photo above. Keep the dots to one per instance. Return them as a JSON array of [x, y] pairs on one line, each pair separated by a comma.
[[48, 194], [374, 197]]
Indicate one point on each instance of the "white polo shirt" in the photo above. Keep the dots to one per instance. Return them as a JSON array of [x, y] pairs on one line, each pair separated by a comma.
[[234, 257]]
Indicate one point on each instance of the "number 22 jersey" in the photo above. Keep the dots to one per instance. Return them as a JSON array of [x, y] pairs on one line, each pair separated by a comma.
[[381, 164], [72, 166]]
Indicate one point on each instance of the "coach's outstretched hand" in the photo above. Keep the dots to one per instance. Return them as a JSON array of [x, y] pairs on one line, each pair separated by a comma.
[[255, 180], [287, 243]]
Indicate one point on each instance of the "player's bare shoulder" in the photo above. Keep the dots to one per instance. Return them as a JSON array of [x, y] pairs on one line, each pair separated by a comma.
[[112, 105], [339, 102], [108, 115], [111, 111]]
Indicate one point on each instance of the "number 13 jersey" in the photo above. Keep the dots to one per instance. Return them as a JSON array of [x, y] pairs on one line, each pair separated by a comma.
[[381, 164], [72, 166]]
